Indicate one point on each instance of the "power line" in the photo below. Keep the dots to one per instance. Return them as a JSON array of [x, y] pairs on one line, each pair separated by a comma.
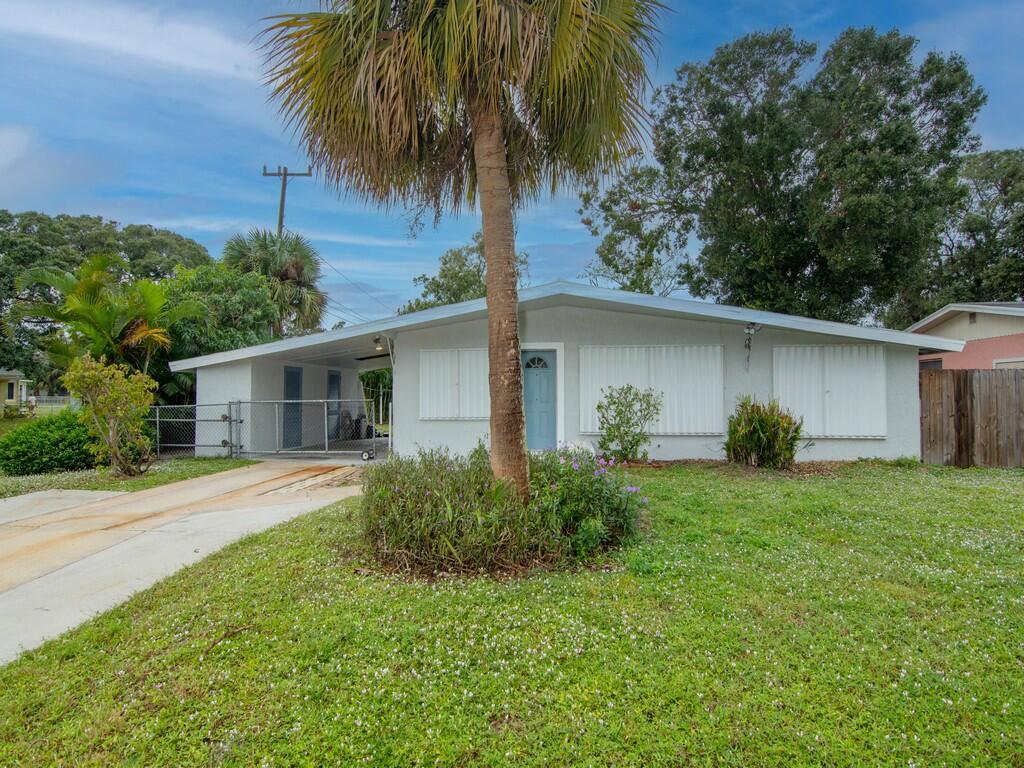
[[355, 284], [344, 308]]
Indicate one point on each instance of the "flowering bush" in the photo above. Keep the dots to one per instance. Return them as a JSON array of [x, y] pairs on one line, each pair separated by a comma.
[[591, 506], [439, 512]]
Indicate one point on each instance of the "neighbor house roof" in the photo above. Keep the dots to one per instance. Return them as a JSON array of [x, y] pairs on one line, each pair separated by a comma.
[[988, 307], [8, 373], [575, 294]]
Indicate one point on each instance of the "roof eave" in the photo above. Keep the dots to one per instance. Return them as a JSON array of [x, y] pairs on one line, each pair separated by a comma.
[[681, 307]]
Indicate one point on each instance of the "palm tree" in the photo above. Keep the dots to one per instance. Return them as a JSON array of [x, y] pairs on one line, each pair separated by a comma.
[[438, 104], [96, 310], [291, 265]]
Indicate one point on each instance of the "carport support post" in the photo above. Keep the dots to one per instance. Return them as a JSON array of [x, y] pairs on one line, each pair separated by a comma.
[[327, 442], [277, 427]]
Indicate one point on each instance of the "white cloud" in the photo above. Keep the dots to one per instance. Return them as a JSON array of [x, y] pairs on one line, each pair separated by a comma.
[[200, 223], [34, 173], [16, 142], [163, 38]]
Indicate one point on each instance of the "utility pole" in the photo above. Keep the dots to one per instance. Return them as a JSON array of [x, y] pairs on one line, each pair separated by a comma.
[[284, 175]]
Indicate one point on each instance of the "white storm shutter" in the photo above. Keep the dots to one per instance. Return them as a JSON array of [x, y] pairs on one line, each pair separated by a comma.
[[690, 378], [838, 390], [453, 384], [474, 394]]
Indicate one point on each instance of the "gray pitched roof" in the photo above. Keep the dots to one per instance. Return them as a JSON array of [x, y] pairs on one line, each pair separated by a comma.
[[1015, 308], [576, 294]]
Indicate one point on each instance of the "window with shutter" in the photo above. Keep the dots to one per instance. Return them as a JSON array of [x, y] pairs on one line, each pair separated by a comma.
[[838, 390], [453, 384], [691, 379]]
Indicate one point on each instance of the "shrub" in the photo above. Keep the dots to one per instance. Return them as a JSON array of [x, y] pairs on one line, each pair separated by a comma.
[[436, 512], [591, 507], [762, 435], [115, 403], [624, 415], [47, 444]]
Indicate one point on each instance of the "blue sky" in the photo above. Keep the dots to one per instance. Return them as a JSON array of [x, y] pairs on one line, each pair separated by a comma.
[[150, 112]]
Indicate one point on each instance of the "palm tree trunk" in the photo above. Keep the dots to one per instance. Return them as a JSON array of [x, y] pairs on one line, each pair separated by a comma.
[[508, 439]]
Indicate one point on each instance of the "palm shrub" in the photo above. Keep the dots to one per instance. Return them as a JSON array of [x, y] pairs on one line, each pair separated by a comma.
[[762, 434], [439, 512], [47, 444]]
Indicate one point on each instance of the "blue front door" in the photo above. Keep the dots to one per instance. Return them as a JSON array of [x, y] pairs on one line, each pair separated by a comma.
[[291, 432], [539, 400]]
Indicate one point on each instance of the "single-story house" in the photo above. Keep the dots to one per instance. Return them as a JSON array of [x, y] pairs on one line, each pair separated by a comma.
[[13, 388], [993, 332], [855, 387]]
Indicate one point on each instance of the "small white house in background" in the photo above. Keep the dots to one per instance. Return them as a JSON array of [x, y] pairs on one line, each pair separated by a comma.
[[855, 387]]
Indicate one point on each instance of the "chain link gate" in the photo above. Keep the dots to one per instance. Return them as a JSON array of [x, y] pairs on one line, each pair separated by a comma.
[[333, 426], [265, 427]]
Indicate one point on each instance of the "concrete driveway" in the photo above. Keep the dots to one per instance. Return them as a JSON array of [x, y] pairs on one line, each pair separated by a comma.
[[67, 555]]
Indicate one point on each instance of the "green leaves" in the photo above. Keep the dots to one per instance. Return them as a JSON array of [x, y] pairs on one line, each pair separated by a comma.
[[819, 194], [97, 311], [292, 268], [383, 96], [460, 277]]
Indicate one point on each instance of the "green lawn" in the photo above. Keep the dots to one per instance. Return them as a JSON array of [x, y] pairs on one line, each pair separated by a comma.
[[6, 425], [102, 479], [867, 617]]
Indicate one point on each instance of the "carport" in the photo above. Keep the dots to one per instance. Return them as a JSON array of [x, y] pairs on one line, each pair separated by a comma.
[[299, 396]]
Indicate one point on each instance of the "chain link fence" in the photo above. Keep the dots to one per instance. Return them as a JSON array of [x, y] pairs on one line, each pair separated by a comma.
[[202, 430], [263, 427]]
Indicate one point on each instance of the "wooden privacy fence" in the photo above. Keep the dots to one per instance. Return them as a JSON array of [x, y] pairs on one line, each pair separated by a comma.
[[973, 418]]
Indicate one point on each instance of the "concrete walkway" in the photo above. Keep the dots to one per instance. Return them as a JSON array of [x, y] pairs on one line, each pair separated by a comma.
[[67, 555]]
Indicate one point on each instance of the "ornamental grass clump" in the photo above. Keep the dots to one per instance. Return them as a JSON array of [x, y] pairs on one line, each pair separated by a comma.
[[438, 512], [763, 435]]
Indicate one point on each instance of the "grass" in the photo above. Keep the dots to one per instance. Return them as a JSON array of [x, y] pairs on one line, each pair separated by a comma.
[[7, 424], [102, 479], [872, 616]]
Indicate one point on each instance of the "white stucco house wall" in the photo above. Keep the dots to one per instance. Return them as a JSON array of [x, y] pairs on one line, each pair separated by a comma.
[[855, 387]]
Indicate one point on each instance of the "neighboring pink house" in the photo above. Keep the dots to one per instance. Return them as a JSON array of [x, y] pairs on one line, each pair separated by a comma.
[[994, 332]]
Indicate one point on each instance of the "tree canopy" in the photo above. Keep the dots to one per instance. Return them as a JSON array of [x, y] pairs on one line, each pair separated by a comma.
[[292, 268], [32, 240], [97, 312], [816, 193], [981, 255], [461, 276]]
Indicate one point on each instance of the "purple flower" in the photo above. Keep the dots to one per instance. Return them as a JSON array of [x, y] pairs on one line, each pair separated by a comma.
[[632, 489], [575, 465]]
